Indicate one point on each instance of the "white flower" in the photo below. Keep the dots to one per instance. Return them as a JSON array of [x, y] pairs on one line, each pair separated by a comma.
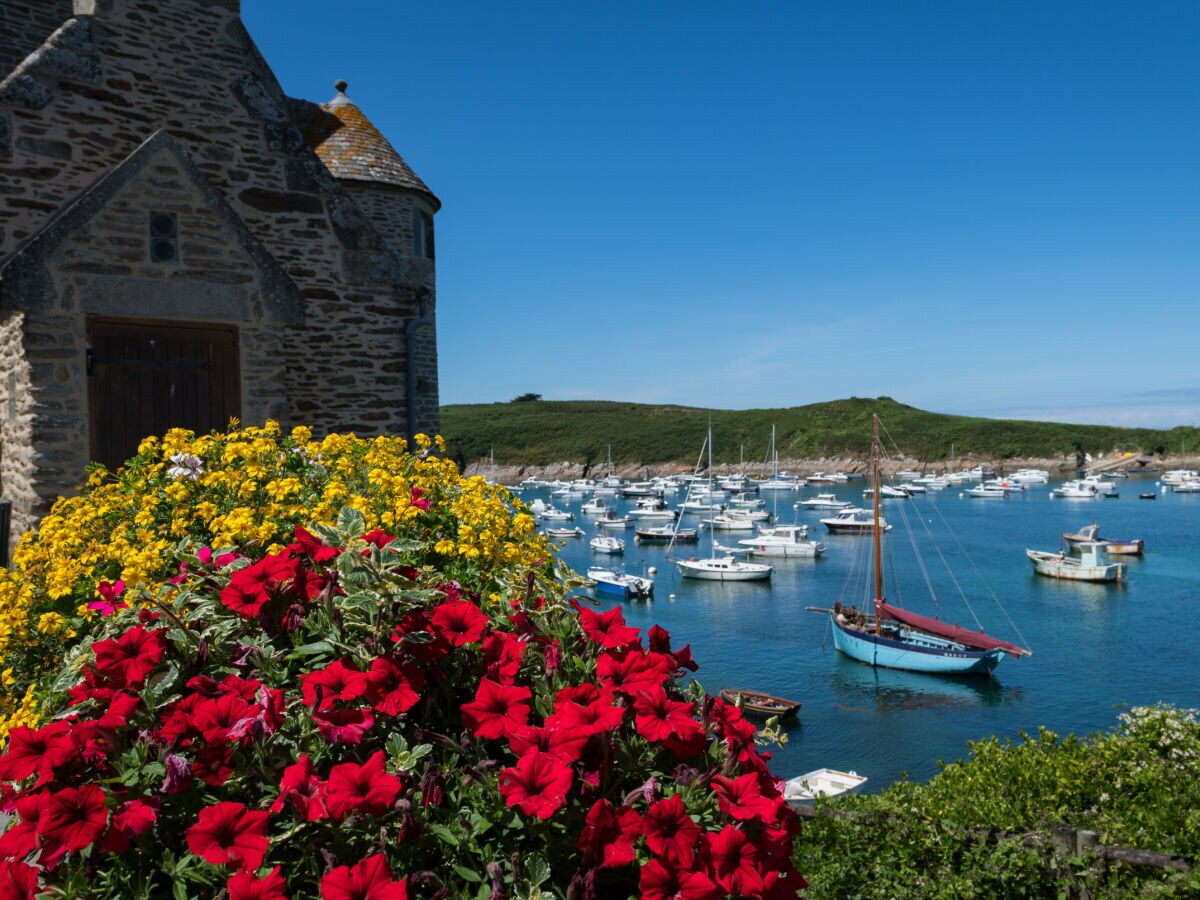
[[185, 466]]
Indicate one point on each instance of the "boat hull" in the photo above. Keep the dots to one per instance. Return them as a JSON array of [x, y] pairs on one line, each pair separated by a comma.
[[939, 657], [704, 571], [1054, 565]]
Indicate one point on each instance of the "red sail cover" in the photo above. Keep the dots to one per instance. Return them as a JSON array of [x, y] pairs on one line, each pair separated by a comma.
[[976, 639]]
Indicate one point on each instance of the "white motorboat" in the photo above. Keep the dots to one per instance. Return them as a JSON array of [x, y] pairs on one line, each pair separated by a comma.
[[854, 520], [611, 520], [803, 790], [1177, 476], [889, 491], [729, 523], [987, 491], [723, 568], [783, 540], [594, 507], [1076, 490], [559, 534], [552, 514], [1030, 476], [605, 543], [823, 501], [1187, 486]]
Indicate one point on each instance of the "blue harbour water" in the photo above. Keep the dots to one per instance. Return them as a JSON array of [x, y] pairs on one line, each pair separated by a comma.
[[1097, 648]]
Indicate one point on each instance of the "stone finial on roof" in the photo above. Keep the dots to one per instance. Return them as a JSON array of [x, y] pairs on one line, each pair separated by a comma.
[[354, 150]]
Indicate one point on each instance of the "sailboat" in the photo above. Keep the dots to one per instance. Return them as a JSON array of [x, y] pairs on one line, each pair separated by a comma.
[[895, 638], [721, 568]]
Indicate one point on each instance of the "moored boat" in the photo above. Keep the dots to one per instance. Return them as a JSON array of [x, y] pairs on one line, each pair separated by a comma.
[[1091, 564], [723, 568], [1113, 546], [622, 584], [897, 638], [803, 790], [855, 520], [666, 534], [783, 540], [761, 704], [823, 501], [604, 543]]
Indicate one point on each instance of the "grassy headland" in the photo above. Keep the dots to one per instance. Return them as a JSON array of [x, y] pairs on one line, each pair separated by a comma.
[[547, 432]]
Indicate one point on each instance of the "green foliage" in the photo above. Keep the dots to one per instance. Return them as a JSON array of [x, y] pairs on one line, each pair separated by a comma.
[[1137, 787], [549, 432], [526, 398]]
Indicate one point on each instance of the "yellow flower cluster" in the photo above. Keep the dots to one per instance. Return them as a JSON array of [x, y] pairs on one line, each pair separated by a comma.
[[248, 486]]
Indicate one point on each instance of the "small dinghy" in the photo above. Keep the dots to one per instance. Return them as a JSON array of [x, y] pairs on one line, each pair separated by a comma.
[[803, 790]]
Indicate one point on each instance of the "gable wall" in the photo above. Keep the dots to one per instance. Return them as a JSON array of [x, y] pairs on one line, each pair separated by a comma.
[[132, 70]]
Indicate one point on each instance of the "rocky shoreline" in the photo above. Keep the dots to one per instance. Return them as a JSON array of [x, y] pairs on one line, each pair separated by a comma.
[[567, 471]]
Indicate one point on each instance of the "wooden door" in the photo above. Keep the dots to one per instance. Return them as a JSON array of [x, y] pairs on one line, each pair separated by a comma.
[[146, 377]]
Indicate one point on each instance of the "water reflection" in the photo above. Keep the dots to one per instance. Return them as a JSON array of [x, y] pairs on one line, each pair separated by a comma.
[[888, 691]]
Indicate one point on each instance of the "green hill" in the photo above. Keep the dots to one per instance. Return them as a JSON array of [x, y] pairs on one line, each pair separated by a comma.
[[544, 432]]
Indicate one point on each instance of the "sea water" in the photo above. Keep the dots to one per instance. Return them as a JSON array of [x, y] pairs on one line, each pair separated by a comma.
[[1097, 648]]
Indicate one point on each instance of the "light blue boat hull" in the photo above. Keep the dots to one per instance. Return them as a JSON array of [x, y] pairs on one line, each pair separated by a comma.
[[919, 653]]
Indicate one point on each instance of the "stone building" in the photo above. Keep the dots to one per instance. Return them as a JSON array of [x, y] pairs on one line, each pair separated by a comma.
[[181, 242]]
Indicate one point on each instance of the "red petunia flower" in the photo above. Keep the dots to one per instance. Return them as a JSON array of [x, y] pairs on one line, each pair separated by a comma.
[[502, 654], [594, 716], [537, 784], [497, 709], [742, 798], [127, 660], [671, 832], [17, 880], [215, 717], [245, 885], [365, 788], [608, 629], [370, 879], [21, 838], [734, 861], [631, 670], [393, 686], [613, 831], [322, 688], [228, 832], [662, 882], [669, 722], [344, 726], [301, 787], [308, 544], [36, 750], [130, 820], [660, 642], [459, 622], [251, 588], [74, 817], [379, 538], [562, 741]]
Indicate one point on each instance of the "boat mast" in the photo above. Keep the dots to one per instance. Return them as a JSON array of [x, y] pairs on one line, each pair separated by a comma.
[[875, 504]]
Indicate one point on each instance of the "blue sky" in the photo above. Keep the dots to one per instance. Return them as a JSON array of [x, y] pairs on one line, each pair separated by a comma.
[[979, 208]]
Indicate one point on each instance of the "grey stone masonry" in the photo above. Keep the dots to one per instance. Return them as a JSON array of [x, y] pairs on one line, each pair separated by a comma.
[[113, 111]]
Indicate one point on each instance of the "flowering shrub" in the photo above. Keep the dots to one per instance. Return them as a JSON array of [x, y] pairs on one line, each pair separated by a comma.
[[248, 487], [386, 705]]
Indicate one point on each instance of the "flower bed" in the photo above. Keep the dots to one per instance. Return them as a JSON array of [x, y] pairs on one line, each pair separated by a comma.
[[291, 669]]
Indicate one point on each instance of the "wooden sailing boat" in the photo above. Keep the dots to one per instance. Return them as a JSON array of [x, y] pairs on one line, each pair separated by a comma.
[[896, 638]]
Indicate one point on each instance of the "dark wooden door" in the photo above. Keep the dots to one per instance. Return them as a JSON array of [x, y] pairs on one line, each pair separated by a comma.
[[146, 377]]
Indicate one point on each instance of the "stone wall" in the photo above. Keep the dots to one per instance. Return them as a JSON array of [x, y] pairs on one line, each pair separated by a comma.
[[25, 24], [16, 444]]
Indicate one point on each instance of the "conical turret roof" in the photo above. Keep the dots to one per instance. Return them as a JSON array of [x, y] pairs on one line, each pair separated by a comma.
[[354, 149]]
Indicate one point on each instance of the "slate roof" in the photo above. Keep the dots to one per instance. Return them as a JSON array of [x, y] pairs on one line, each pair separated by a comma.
[[354, 149]]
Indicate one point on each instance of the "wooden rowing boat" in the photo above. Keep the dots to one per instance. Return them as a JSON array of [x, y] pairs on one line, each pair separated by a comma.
[[758, 703]]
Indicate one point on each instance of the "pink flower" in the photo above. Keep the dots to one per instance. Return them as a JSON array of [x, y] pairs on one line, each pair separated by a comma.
[[108, 602]]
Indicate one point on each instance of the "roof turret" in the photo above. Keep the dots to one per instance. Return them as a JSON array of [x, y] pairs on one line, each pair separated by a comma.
[[354, 150]]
